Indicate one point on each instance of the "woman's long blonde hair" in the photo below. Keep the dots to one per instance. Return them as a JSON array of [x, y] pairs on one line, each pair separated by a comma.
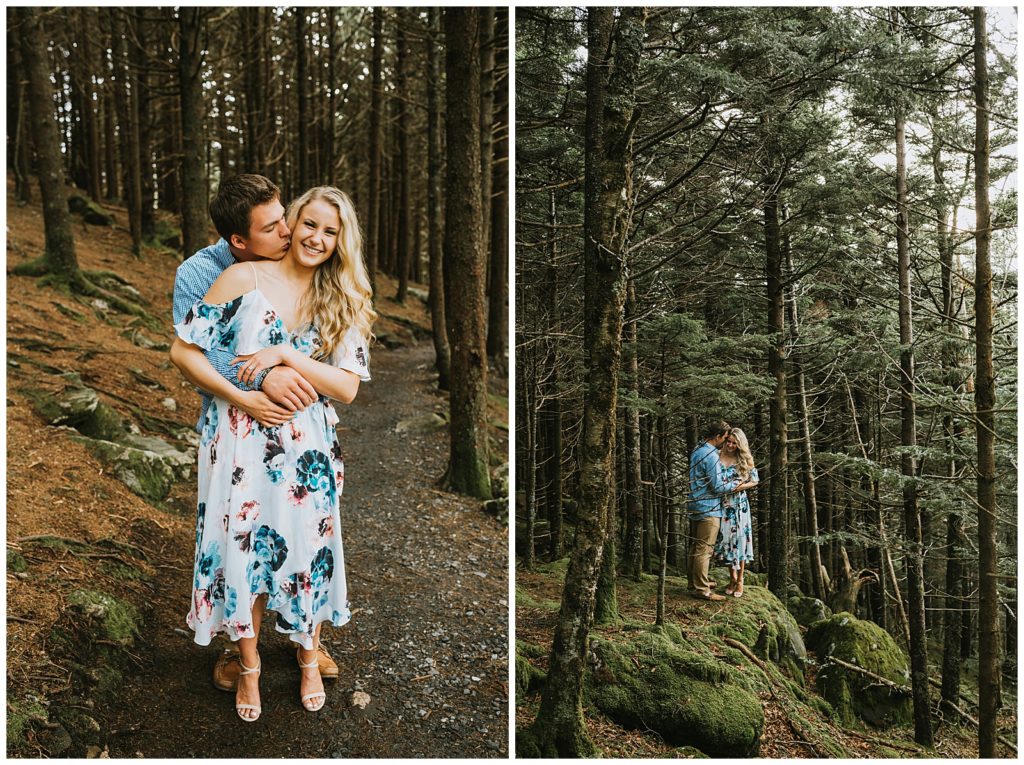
[[744, 459], [339, 296]]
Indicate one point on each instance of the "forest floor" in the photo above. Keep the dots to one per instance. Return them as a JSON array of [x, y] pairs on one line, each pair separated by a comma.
[[427, 569], [538, 594]]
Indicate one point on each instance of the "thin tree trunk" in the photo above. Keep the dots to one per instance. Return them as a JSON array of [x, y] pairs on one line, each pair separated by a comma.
[[486, 112], [376, 138], [984, 404], [634, 563], [807, 457], [435, 224], [497, 302], [401, 127], [301, 86], [908, 440], [778, 512]]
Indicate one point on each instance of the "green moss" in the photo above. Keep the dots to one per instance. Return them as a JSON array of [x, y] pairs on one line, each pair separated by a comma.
[[119, 570], [16, 563], [118, 621], [529, 678], [105, 423], [855, 696], [559, 566], [651, 682], [20, 715], [807, 611], [525, 598]]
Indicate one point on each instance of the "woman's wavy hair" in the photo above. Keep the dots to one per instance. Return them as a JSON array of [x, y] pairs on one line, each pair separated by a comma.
[[744, 459], [339, 296]]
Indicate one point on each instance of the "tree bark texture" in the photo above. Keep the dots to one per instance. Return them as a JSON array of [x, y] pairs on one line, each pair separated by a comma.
[[194, 226], [984, 403], [468, 468], [59, 256], [497, 301], [908, 463], [435, 221], [778, 511], [612, 69]]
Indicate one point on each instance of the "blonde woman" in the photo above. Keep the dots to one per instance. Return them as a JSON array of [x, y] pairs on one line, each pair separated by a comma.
[[268, 532], [735, 544]]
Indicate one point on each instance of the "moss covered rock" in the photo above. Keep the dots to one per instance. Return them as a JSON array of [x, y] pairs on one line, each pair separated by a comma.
[[807, 611], [74, 404], [652, 682], [147, 471], [89, 210], [853, 695], [116, 620]]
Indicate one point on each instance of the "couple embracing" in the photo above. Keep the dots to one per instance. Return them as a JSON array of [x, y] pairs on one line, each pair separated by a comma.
[[272, 322], [721, 471]]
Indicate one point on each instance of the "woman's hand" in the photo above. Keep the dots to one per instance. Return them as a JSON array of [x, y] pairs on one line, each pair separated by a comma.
[[254, 363]]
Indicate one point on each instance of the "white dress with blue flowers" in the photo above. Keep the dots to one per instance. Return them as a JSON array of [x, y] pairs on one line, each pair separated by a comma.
[[268, 511], [735, 543]]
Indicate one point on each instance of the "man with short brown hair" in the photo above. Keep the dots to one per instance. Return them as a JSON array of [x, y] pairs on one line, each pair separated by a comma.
[[707, 486]]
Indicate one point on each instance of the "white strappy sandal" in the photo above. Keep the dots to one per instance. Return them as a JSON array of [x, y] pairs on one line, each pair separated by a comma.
[[239, 707], [308, 696]]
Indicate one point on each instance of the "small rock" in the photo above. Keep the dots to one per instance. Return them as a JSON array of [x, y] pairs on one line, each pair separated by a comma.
[[171, 404], [100, 305], [361, 699]]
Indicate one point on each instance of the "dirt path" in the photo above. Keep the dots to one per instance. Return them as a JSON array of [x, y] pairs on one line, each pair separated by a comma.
[[428, 641]]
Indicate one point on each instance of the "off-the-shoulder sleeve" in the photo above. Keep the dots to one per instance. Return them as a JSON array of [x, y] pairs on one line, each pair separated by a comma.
[[753, 475], [355, 356], [230, 326]]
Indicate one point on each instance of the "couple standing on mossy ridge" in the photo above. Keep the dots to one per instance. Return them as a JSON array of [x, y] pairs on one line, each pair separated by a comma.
[[721, 471]]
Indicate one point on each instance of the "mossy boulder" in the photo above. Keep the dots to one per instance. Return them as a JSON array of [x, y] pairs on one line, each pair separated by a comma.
[[104, 422], [148, 466], [807, 611], [529, 679], [853, 695], [89, 210], [70, 406], [762, 623], [652, 682], [115, 620]]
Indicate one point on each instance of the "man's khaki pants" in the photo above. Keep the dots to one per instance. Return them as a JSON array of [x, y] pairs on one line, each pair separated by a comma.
[[705, 536]]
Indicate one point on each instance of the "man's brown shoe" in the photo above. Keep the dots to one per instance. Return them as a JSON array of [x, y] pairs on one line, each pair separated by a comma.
[[226, 670], [328, 668]]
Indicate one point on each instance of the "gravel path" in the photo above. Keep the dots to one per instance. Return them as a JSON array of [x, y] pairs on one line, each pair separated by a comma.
[[428, 642]]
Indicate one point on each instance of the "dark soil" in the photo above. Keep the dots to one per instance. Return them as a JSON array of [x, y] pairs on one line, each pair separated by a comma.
[[427, 570]]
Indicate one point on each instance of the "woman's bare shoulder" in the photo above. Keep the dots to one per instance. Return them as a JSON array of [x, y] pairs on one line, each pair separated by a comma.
[[235, 280]]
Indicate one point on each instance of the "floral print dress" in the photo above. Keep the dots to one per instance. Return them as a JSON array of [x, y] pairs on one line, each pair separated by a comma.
[[267, 518], [735, 543]]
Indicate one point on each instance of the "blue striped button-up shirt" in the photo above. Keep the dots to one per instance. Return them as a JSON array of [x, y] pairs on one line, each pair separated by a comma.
[[707, 483], [193, 280]]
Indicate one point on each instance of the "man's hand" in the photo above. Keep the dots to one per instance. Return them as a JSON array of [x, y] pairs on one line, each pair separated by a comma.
[[259, 406], [287, 388]]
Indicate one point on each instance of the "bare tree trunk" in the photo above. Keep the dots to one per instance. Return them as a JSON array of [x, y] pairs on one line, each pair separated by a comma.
[[631, 432], [435, 223], [401, 126], [778, 511], [59, 256], [497, 303], [302, 117], [908, 440], [468, 470], [376, 139], [807, 449], [194, 231], [984, 403]]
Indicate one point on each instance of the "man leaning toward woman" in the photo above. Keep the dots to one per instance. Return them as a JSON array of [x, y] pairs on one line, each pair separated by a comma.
[[708, 485]]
